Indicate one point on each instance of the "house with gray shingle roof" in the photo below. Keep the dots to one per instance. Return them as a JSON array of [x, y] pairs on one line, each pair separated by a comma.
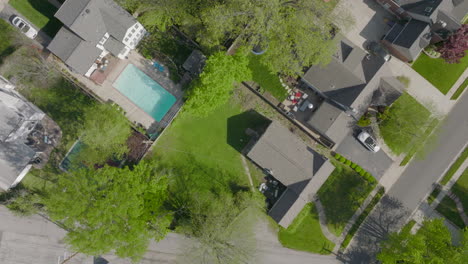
[[91, 30], [346, 85], [422, 22], [295, 165]]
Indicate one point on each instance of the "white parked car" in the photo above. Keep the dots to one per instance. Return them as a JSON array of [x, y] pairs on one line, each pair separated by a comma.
[[368, 141], [24, 26]]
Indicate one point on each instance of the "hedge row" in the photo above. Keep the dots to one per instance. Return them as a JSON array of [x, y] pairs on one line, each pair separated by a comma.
[[365, 174]]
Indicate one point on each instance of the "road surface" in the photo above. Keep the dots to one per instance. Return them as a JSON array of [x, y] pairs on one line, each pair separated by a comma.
[[412, 186]]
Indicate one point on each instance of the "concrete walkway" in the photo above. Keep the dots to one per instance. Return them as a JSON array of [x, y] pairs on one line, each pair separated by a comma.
[[323, 222], [421, 89]]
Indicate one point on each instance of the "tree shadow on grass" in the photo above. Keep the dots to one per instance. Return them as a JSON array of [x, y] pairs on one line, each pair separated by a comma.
[[238, 124], [48, 10]]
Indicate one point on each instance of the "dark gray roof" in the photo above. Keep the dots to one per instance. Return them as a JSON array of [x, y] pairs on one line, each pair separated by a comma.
[[114, 46], [411, 32], [389, 91], [291, 161], [195, 62], [346, 75], [64, 44], [420, 7], [324, 117], [91, 19]]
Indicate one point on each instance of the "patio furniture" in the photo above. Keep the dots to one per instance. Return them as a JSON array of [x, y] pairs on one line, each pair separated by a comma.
[[305, 96], [295, 108]]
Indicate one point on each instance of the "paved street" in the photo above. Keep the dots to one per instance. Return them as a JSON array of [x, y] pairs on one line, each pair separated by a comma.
[[375, 163], [412, 187]]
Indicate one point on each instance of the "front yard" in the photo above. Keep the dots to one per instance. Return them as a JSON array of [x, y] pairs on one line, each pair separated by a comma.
[[448, 208], [404, 124], [441, 74], [305, 233], [40, 13], [341, 195]]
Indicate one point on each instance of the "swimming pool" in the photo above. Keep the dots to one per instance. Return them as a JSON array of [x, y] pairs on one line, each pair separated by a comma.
[[143, 91]]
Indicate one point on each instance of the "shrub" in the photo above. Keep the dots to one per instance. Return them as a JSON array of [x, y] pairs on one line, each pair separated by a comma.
[[342, 159], [364, 121], [362, 173], [358, 169], [348, 162], [353, 165], [337, 156]]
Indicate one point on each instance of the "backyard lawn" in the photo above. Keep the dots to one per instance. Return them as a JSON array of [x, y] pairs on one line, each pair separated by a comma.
[[40, 13], [341, 195], [448, 208], [405, 124], [268, 81], [305, 233], [441, 74], [211, 144]]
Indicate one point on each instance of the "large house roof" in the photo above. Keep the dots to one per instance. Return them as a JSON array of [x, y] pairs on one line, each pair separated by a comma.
[[420, 7], [288, 158], [91, 19]]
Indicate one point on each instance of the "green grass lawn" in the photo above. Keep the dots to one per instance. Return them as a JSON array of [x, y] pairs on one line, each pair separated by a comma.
[[213, 143], [448, 207], [268, 81], [421, 142], [40, 13], [441, 74], [6, 47], [406, 123], [305, 233], [455, 166], [433, 195], [341, 195]]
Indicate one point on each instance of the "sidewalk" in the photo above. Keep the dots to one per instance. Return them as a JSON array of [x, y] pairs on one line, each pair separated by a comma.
[[421, 89]]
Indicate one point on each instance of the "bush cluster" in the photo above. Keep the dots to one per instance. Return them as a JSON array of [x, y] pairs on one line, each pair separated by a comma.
[[365, 174]]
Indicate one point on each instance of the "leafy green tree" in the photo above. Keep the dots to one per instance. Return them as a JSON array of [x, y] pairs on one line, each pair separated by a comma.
[[111, 209], [23, 202], [216, 82], [106, 131], [431, 244], [295, 33]]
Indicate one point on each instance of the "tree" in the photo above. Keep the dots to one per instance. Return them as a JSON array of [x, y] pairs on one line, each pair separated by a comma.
[[431, 244], [454, 49], [106, 131], [296, 33], [111, 209], [216, 82], [223, 229]]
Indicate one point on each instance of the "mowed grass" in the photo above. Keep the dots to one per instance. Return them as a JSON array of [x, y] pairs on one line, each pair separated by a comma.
[[341, 195], [268, 81], [455, 166], [406, 124], [40, 13], [305, 233], [441, 74], [460, 90], [214, 142], [448, 207]]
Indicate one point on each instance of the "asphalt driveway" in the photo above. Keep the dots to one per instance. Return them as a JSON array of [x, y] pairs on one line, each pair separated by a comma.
[[375, 163]]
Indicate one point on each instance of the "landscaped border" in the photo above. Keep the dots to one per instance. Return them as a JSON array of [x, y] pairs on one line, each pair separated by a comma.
[[460, 90], [455, 166]]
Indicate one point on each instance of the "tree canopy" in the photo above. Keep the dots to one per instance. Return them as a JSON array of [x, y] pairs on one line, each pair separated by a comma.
[[454, 49], [216, 82], [295, 33], [431, 244], [106, 131], [111, 209]]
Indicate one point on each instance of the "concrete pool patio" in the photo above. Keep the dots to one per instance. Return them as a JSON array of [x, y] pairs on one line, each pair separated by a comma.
[[108, 93]]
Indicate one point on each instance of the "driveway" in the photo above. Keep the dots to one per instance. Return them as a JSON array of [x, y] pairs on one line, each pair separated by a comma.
[[370, 20], [8, 12], [375, 163]]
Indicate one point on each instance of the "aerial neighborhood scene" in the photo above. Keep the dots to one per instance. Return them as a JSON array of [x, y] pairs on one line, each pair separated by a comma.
[[233, 131]]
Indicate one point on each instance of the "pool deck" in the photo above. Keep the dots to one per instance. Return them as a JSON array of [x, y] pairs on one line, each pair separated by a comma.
[[108, 93]]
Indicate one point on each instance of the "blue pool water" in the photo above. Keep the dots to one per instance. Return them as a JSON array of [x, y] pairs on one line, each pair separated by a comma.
[[144, 92]]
